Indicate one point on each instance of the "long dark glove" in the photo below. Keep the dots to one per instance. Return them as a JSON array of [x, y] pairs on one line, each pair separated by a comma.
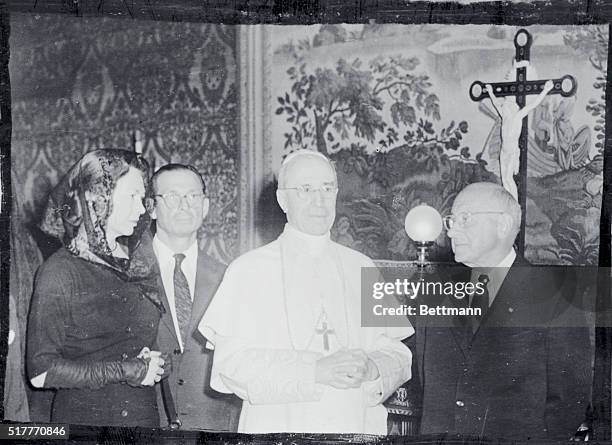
[[94, 375]]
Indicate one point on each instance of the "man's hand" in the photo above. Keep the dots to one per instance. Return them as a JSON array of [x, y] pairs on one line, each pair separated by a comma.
[[347, 368]]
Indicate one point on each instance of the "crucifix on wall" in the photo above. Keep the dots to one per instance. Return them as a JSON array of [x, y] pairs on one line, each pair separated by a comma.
[[514, 124]]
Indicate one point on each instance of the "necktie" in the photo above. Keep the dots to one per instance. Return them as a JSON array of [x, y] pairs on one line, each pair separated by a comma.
[[480, 300], [182, 297]]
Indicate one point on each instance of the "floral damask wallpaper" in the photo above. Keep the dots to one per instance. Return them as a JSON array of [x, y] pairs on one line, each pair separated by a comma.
[[84, 83]]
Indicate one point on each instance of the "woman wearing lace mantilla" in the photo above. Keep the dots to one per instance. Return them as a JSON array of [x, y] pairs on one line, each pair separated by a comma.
[[95, 309]]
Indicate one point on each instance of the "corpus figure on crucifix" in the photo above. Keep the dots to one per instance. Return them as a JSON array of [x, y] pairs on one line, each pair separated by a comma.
[[513, 155], [511, 125]]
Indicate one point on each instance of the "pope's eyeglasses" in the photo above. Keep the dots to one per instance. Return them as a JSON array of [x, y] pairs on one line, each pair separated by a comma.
[[307, 191]]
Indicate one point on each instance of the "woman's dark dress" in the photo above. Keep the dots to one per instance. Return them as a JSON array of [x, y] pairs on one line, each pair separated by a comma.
[[86, 312]]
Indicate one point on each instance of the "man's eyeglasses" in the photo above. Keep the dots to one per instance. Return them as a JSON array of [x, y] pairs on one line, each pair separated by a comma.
[[463, 219], [173, 200], [308, 191]]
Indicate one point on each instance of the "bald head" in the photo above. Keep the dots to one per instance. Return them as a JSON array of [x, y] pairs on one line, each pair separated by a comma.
[[493, 197], [485, 237]]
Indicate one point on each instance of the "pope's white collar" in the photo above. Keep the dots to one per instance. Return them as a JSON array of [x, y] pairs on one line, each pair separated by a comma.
[[312, 244]]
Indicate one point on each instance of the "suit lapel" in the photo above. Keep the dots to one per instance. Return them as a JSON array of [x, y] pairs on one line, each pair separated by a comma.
[[208, 274], [167, 315], [205, 286], [460, 328], [510, 294]]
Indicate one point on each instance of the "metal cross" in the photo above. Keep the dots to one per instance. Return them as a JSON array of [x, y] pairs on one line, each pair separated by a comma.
[[521, 88], [325, 332]]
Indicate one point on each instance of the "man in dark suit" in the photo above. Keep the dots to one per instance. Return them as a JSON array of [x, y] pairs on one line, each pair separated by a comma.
[[521, 370], [189, 279]]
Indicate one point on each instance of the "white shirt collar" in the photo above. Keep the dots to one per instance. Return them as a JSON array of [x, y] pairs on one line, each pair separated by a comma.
[[508, 260], [496, 274], [165, 253]]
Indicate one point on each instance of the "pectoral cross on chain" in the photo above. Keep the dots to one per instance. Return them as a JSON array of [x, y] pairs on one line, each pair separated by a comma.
[[521, 88], [325, 331]]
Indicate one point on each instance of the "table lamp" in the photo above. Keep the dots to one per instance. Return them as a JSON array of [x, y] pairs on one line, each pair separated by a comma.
[[423, 224]]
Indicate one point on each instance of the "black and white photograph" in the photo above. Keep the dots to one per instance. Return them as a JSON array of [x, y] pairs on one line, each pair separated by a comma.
[[293, 221]]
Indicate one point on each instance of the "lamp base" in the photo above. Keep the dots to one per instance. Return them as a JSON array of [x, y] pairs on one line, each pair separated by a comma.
[[422, 251]]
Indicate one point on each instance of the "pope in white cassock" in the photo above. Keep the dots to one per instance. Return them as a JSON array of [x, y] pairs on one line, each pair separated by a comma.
[[285, 323]]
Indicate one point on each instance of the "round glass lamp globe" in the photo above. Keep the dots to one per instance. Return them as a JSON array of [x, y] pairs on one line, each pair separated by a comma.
[[423, 223]]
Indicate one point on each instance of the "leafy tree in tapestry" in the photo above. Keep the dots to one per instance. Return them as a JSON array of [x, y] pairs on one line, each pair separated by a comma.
[[379, 121], [592, 41], [575, 223], [351, 101]]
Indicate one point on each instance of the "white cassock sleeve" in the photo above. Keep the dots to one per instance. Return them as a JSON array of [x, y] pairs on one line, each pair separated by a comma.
[[266, 376], [393, 360], [233, 325]]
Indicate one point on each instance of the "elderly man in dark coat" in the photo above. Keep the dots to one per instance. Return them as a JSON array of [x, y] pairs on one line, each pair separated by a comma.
[[521, 370]]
